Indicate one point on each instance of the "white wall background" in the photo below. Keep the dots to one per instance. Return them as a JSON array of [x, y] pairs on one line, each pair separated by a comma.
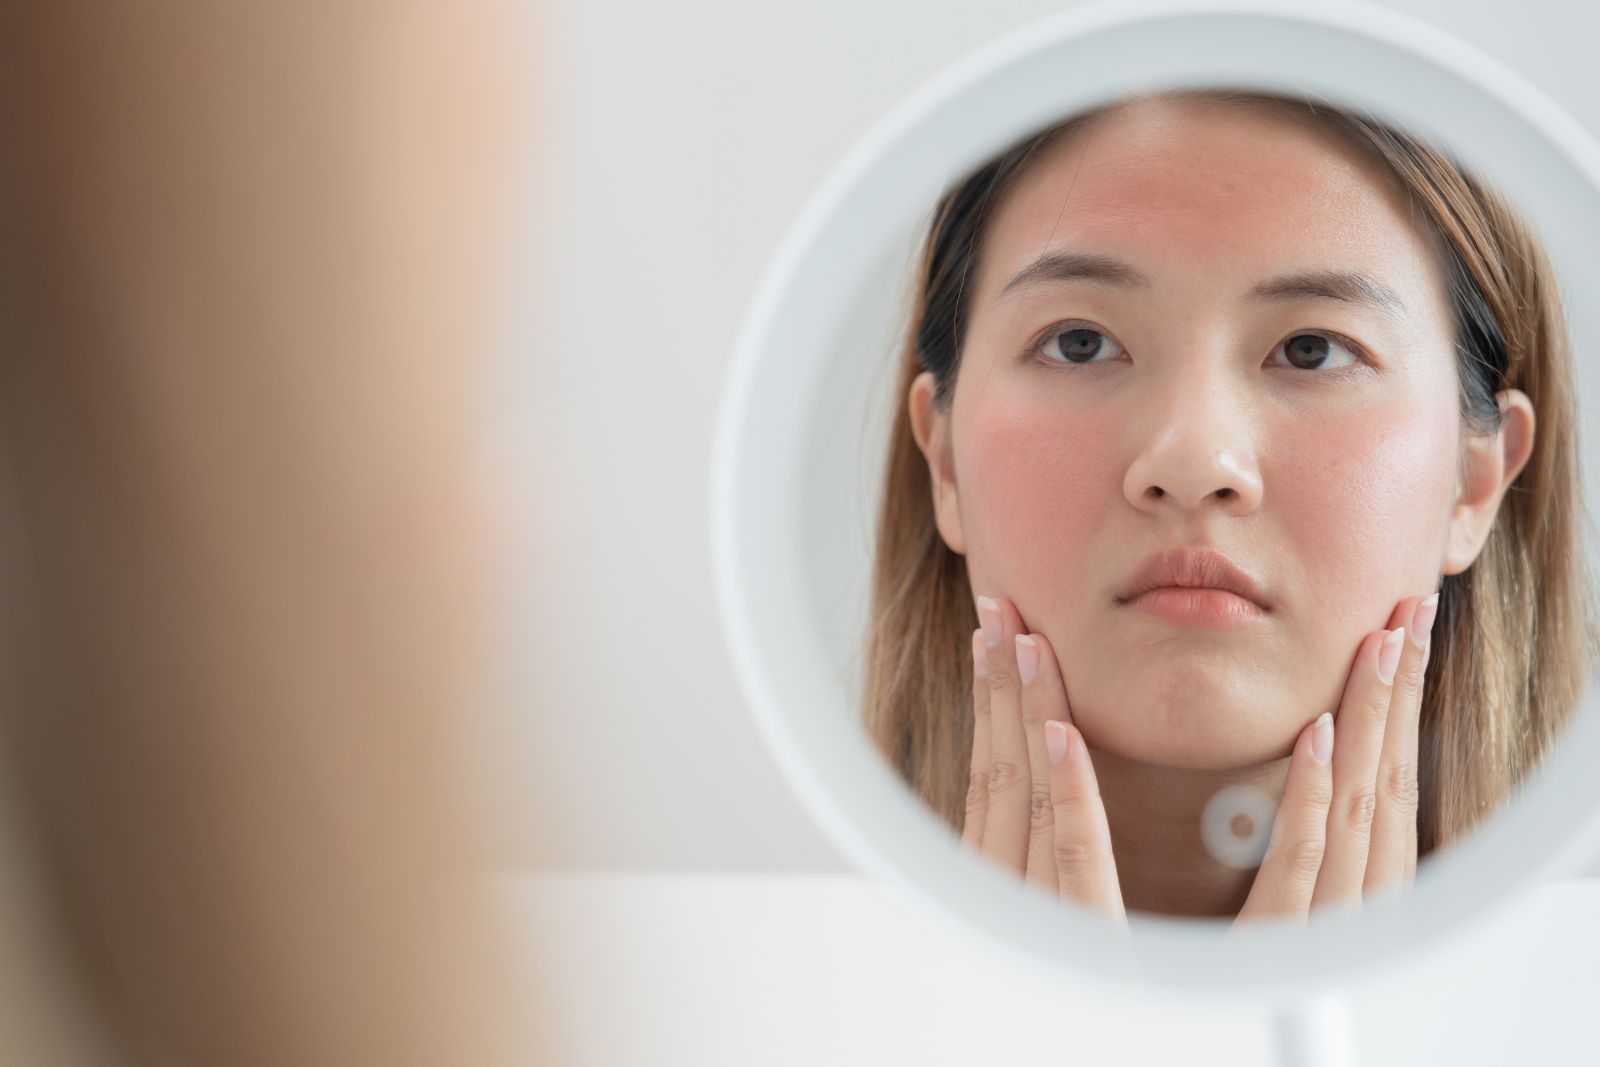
[[683, 139]]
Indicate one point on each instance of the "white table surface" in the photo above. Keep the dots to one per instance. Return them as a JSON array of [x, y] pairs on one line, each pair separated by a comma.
[[740, 969]]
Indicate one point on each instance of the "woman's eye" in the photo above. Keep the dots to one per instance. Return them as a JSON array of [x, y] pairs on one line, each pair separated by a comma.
[[1077, 344], [1309, 351]]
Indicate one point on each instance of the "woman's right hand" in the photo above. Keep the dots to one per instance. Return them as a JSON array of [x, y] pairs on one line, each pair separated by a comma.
[[1033, 804]]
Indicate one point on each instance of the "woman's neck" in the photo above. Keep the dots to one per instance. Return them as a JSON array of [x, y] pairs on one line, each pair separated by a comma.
[[1154, 813]]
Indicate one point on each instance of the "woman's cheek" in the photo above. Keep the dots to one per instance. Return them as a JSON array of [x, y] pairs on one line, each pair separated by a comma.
[[1365, 512], [1039, 482]]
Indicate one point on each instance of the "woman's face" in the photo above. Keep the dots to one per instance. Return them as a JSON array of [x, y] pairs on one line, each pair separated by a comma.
[[1312, 439]]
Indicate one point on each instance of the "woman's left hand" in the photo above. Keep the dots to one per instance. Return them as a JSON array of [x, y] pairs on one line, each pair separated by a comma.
[[1349, 828]]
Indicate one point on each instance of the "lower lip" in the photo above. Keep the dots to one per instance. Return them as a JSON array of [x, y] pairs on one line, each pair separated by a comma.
[[1216, 607]]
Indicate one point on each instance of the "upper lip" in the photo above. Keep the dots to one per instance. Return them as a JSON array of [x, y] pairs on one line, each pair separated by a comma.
[[1193, 568]]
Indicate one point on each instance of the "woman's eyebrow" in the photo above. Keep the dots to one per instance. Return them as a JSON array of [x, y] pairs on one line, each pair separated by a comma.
[[1346, 286]]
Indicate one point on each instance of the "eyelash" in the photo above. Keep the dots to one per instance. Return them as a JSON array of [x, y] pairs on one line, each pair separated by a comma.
[[1363, 360]]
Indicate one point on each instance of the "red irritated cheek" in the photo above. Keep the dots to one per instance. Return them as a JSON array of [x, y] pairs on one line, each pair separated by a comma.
[[1035, 485], [1361, 506]]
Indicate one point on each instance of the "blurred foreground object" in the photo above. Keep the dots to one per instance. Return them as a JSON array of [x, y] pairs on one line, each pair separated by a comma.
[[250, 251]]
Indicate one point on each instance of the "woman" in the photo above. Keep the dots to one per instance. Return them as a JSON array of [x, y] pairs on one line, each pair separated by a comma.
[[1201, 389]]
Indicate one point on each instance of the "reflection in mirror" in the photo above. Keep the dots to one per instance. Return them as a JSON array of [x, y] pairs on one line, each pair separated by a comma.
[[1231, 554]]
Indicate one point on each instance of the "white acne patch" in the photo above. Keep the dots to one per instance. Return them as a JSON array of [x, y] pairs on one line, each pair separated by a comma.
[[1236, 824]]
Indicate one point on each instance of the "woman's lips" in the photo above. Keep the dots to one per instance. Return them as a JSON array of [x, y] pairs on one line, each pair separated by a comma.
[[1197, 605]]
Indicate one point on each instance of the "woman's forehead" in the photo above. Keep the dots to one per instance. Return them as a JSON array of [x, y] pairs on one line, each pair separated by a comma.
[[1219, 192]]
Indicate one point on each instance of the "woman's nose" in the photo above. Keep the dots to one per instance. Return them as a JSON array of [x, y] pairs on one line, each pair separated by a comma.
[[1196, 452]]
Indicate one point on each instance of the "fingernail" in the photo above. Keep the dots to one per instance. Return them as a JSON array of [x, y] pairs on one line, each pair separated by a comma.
[[1389, 655], [1027, 658], [980, 655], [1422, 620], [1322, 738], [989, 617], [1055, 739]]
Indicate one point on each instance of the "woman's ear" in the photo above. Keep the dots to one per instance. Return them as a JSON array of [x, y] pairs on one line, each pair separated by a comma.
[[930, 425], [1492, 462]]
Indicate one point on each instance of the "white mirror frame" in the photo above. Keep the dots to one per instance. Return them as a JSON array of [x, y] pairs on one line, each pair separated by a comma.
[[1402, 70]]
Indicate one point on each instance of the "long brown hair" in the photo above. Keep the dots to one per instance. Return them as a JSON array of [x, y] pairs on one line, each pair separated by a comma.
[[1515, 634]]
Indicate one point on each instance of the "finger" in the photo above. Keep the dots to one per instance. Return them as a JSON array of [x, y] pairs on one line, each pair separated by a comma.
[[1392, 858], [1086, 870], [978, 778], [1361, 716], [1044, 698], [1288, 876], [1006, 824]]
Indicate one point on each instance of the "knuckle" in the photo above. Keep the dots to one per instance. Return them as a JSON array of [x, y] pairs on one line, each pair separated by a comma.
[[1004, 774], [1400, 785], [1001, 678], [1042, 813], [1406, 688], [1302, 857], [1378, 708], [1411, 677], [1416, 655], [1319, 794], [1073, 856], [1358, 811], [978, 791]]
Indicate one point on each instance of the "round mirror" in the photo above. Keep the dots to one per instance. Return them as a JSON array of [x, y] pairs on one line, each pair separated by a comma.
[[1212, 349]]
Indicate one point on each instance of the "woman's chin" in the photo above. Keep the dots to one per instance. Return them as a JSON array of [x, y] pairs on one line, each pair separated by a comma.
[[1194, 728]]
